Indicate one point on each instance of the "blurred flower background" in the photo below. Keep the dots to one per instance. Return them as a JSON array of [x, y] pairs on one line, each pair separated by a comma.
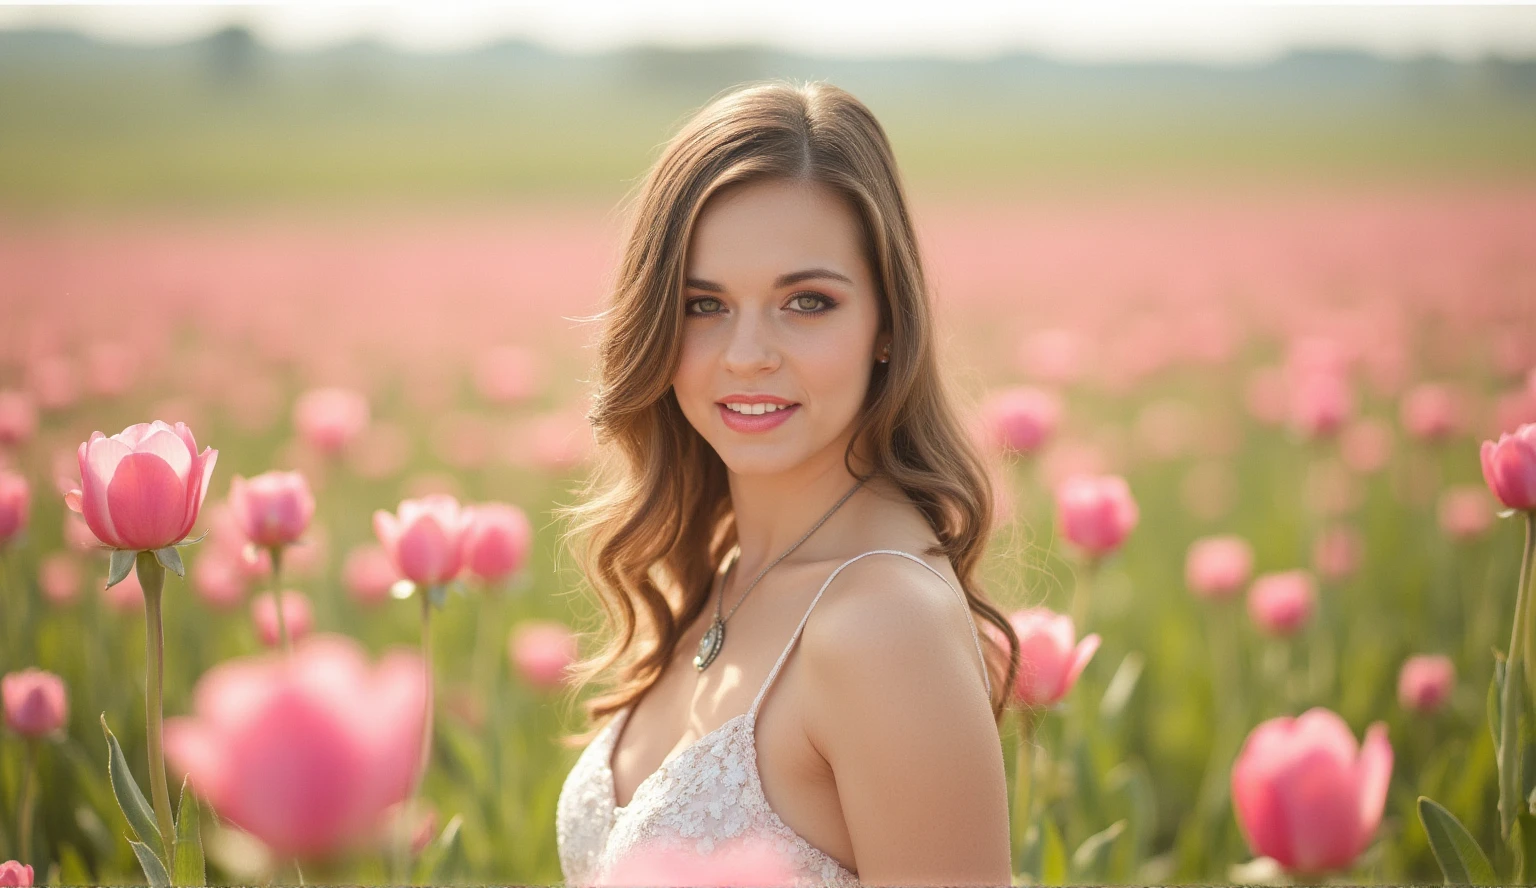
[[1234, 296]]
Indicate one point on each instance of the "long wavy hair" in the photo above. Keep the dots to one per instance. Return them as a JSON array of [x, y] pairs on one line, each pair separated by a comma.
[[655, 513]]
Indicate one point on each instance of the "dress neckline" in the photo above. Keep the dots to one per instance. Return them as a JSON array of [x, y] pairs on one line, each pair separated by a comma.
[[616, 729]]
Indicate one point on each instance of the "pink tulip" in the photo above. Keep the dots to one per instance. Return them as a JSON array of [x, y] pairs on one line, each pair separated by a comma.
[[1432, 412], [743, 861], [59, 576], [15, 875], [1021, 419], [368, 574], [1218, 567], [35, 702], [1425, 682], [1050, 655], [304, 753], [1509, 467], [274, 508], [497, 542], [218, 581], [18, 418], [1306, 795], [1095, 513], [329, 419], [542, 650], [1280, 603], [226, 535], [15, 502], [1465, 512], [1337, 552], [1320, 402], [425, 541], [142, 488], [126, 596], [296, 612]]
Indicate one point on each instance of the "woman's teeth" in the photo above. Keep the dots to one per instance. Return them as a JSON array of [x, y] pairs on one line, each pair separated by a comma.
[[756, 409]]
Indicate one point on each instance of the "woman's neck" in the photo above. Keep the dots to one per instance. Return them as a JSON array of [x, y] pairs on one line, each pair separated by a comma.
[[774, 512]]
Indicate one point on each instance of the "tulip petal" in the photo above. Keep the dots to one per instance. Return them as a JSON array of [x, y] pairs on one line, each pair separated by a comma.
[[202, 472], [99, 459], [170, 448], [1374, 776], [72, 499], [1080, 657], [147, 502], [1254, 800]]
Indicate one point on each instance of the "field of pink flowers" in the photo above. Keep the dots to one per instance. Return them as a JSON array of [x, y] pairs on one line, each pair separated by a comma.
[[1253, 455]]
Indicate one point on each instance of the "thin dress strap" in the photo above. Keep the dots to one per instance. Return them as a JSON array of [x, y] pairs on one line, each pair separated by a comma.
[[986, 675]]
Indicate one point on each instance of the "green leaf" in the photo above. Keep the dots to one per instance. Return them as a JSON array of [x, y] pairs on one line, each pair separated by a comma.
[[170, 559], [1053, 855], [1495, 702], [199, 539], [72, 868], [1525, 848], [1461, 860], [1088, 860], [122, 562], [141, 817], [189, 841], [1122, 686], [447, 854], [154, 870]]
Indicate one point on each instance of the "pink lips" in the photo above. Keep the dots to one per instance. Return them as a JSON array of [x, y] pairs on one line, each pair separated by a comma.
[[760, 423]]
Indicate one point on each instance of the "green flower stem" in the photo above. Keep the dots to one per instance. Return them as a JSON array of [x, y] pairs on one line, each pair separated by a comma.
[[152, 579], [402, 843], [1081, 606], [1024, 777], [1529, 623], [28, 790], [276, 553], [1515, 666]]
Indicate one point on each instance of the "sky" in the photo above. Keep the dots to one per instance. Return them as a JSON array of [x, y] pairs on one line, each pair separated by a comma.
[[1211, 32]]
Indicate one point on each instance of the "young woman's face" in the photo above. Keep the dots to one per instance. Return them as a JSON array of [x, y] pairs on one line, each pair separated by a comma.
[[780, 304]]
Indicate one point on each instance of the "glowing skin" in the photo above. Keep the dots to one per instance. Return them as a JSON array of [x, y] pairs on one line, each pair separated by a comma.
[[755, 325]]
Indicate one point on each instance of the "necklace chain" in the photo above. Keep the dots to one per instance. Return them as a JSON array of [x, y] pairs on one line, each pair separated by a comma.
[[714, 638]]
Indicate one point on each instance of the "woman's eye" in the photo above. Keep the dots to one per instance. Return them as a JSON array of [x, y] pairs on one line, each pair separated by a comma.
[[700, 300], [812, 303]]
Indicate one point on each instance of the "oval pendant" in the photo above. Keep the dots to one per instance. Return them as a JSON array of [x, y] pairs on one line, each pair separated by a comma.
[[709, 645]]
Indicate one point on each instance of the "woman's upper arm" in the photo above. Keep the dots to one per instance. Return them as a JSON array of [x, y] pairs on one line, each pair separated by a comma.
[[898, 708]]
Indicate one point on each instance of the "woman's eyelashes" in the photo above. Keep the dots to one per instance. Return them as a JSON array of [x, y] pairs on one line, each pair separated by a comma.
[[824, 302]]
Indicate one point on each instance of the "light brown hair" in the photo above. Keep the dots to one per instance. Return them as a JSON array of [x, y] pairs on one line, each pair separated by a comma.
[[655, 513]]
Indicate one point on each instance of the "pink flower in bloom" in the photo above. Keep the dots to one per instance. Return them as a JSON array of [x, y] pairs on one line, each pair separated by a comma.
[[1218, 566], [296, 611], [274, 508], [15, 875], [1509, 467], [425, 541], [368, 574], [1280, 603], [1425, 682], [542, 650], [1095, 513], [1050, 655], [735, 862], [1465, 512], [497, 542], [35, 702], [1021, 419], [304, 753], [1337, 552], [142, 488], [60, 578], [1306, 794], [18, 418], [328, 419], [1432, 412], [15, 503]]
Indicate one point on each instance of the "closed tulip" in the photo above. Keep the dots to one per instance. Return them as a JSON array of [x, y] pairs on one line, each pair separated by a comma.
[[542, 650], [274, 508], [15, 503], [1509, 467], [1021, 419], [15, 875], [1050, 655], [329, 419], [1096, 513], [1425, 682], [368, 573], [1281, 603], [35, 702], [142, 488], [425, 541], [1307, 795], [296, 613], [305, 753], [497, 542], [1219, 566]]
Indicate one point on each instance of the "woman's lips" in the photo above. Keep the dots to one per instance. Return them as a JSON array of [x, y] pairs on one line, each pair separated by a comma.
[[741, 422]]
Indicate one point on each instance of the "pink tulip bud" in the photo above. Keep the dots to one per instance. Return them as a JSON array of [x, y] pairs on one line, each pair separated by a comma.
[[18, 418], [15, 503], [1426, 682], [60, 578], [1320, 403], [274, 508], [368, 574], [1281, 603], [742, 861], [1337, 553], [1050, 655], [329, 419], [1465, 512], [218, 581], [126, 596], [1021, 419], [497, 542], [35, 702], [1509, 467], [296, 612], [542, 650], [1432, 412], [304, 753], [425, 541], [142, 488], [1307, 795], [15, 875], [1095, 513], [1218, 567]]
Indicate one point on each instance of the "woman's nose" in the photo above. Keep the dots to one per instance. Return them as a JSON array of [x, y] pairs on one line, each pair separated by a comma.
[[751, 348]]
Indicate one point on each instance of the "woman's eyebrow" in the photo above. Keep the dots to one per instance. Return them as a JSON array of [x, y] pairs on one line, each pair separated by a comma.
[[783, 280]]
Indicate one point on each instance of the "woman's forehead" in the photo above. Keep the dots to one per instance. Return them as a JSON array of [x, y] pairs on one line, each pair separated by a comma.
[[758, 231]]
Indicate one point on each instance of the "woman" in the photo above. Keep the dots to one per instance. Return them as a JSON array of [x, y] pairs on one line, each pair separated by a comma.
[[783, 462]]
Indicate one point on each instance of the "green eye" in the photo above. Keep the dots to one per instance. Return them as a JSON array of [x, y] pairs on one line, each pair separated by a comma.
[[694, 302]]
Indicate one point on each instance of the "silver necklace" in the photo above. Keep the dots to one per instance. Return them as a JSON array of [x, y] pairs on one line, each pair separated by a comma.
[[714, 637]]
